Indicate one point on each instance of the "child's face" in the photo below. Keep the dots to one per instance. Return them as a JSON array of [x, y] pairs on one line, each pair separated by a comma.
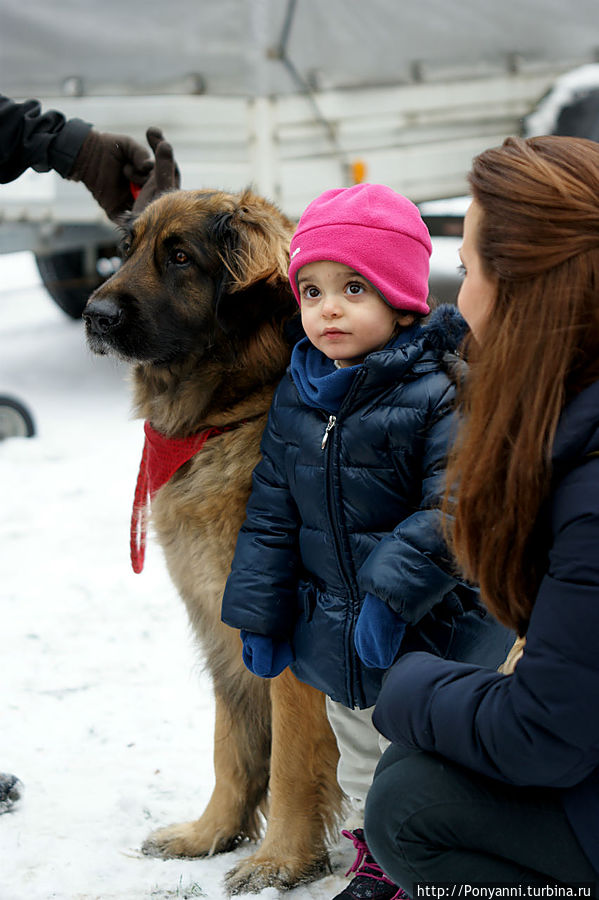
[[342, 313]]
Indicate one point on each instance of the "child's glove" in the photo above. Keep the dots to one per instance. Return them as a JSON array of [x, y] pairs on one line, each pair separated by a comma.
[[379, 633], [264, 656]]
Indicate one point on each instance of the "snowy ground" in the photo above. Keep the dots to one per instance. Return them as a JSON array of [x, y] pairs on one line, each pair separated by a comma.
[[105, 713]]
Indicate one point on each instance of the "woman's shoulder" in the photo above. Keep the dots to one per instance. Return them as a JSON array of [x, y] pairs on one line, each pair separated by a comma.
[[574, 523], [575, 492], [575, 456]]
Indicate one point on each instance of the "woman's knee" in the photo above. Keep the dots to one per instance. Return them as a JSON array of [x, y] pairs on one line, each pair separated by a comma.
[[388, 804], [380, 804], [393, 754], [403, 792]]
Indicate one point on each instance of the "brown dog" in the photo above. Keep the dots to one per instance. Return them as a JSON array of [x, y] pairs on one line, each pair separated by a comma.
[[199, 306]]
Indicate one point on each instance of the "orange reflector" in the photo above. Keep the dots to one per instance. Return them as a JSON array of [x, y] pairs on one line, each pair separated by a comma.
[[358, 171]]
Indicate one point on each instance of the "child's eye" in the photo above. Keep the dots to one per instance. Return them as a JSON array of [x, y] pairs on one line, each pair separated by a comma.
[[462, 270], [354, 287], [310, 292]]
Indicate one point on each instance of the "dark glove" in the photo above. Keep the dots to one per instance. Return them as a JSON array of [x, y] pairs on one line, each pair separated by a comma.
[[165, 175], [107, 164], [264, 656], [379, 633]]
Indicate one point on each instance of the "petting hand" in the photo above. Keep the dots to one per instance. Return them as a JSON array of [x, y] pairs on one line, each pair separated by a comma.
[[264, 656], [107, 164], [165, 175], [379, 633]]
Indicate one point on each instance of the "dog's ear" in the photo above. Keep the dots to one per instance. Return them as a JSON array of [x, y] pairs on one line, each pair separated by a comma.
[[223, 233], [253, 245], [124, 224], [125, 220], [241, 312]]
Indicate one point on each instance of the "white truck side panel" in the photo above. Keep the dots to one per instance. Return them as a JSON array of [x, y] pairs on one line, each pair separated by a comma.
[[418, 138]]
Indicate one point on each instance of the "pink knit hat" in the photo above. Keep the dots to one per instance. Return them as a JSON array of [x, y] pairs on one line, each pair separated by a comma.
[[375, 231]]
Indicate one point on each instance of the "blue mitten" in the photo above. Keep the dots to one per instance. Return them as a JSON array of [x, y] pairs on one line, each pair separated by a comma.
[[264, 656], [379, 633]]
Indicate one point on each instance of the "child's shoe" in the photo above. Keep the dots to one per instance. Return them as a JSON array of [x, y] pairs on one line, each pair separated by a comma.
[[369, 881]]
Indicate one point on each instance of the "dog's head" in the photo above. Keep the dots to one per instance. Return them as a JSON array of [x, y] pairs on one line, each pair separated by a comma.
[[202, 271]]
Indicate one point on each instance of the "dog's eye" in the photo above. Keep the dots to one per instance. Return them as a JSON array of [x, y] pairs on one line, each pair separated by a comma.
[[125, 248], [180, 257]]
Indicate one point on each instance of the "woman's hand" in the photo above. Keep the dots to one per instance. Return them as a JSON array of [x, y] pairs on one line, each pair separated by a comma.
[[513, 657]]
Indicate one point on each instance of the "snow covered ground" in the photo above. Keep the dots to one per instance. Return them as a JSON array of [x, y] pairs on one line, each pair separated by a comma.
[[105, 712]]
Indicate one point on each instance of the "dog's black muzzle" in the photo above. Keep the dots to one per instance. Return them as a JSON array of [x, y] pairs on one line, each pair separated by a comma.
[[102, 316]]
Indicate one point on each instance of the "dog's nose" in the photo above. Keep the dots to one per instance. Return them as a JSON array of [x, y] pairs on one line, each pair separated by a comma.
[[102, 315]]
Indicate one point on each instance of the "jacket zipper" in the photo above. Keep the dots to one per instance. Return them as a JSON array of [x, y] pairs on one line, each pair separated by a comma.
[[330, 494], [328, 429]]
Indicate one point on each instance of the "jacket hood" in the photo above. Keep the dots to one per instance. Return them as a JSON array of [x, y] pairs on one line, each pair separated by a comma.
[[446, 328]]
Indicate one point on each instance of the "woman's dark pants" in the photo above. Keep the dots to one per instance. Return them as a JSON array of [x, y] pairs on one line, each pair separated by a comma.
[[429, 820]]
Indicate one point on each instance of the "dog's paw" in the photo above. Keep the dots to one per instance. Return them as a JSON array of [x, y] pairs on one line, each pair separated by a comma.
[[187, 839], [255, 873]]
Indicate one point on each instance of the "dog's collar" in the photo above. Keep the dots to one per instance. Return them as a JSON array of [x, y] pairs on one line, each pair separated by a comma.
[[162, 456]]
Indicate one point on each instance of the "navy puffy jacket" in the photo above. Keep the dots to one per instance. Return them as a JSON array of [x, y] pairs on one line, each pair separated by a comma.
[[539, 726], [327, 524]]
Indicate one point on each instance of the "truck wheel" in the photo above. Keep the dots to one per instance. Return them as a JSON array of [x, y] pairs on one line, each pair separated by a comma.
[[71, 276], [15, 419]]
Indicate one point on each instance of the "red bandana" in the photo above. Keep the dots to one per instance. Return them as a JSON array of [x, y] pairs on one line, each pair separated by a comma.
[[161, 458]]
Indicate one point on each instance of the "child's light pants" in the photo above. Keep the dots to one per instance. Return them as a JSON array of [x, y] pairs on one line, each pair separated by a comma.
[[360, 748]]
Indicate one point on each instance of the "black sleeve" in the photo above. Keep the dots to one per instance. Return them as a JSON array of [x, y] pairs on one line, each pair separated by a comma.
[[538, 726], [42, 141]]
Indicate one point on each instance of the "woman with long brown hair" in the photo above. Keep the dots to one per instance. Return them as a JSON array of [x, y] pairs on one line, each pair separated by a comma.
[[494, 777]]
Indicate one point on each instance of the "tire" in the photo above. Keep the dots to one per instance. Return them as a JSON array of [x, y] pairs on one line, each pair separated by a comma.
[[71, 276], [15, 419]]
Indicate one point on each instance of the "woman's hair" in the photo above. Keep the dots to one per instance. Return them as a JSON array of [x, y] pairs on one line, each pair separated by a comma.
[[538, 238]]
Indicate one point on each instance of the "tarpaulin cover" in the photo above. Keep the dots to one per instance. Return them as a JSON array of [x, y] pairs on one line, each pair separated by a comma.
[[231, 46]]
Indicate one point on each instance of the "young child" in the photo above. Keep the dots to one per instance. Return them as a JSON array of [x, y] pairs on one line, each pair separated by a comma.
[[340, 565]]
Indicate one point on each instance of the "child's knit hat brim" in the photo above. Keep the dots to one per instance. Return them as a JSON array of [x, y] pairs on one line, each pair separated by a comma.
[[373, 230]]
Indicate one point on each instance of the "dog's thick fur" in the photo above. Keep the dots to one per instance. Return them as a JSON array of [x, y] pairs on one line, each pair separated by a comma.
[[199, 306]]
